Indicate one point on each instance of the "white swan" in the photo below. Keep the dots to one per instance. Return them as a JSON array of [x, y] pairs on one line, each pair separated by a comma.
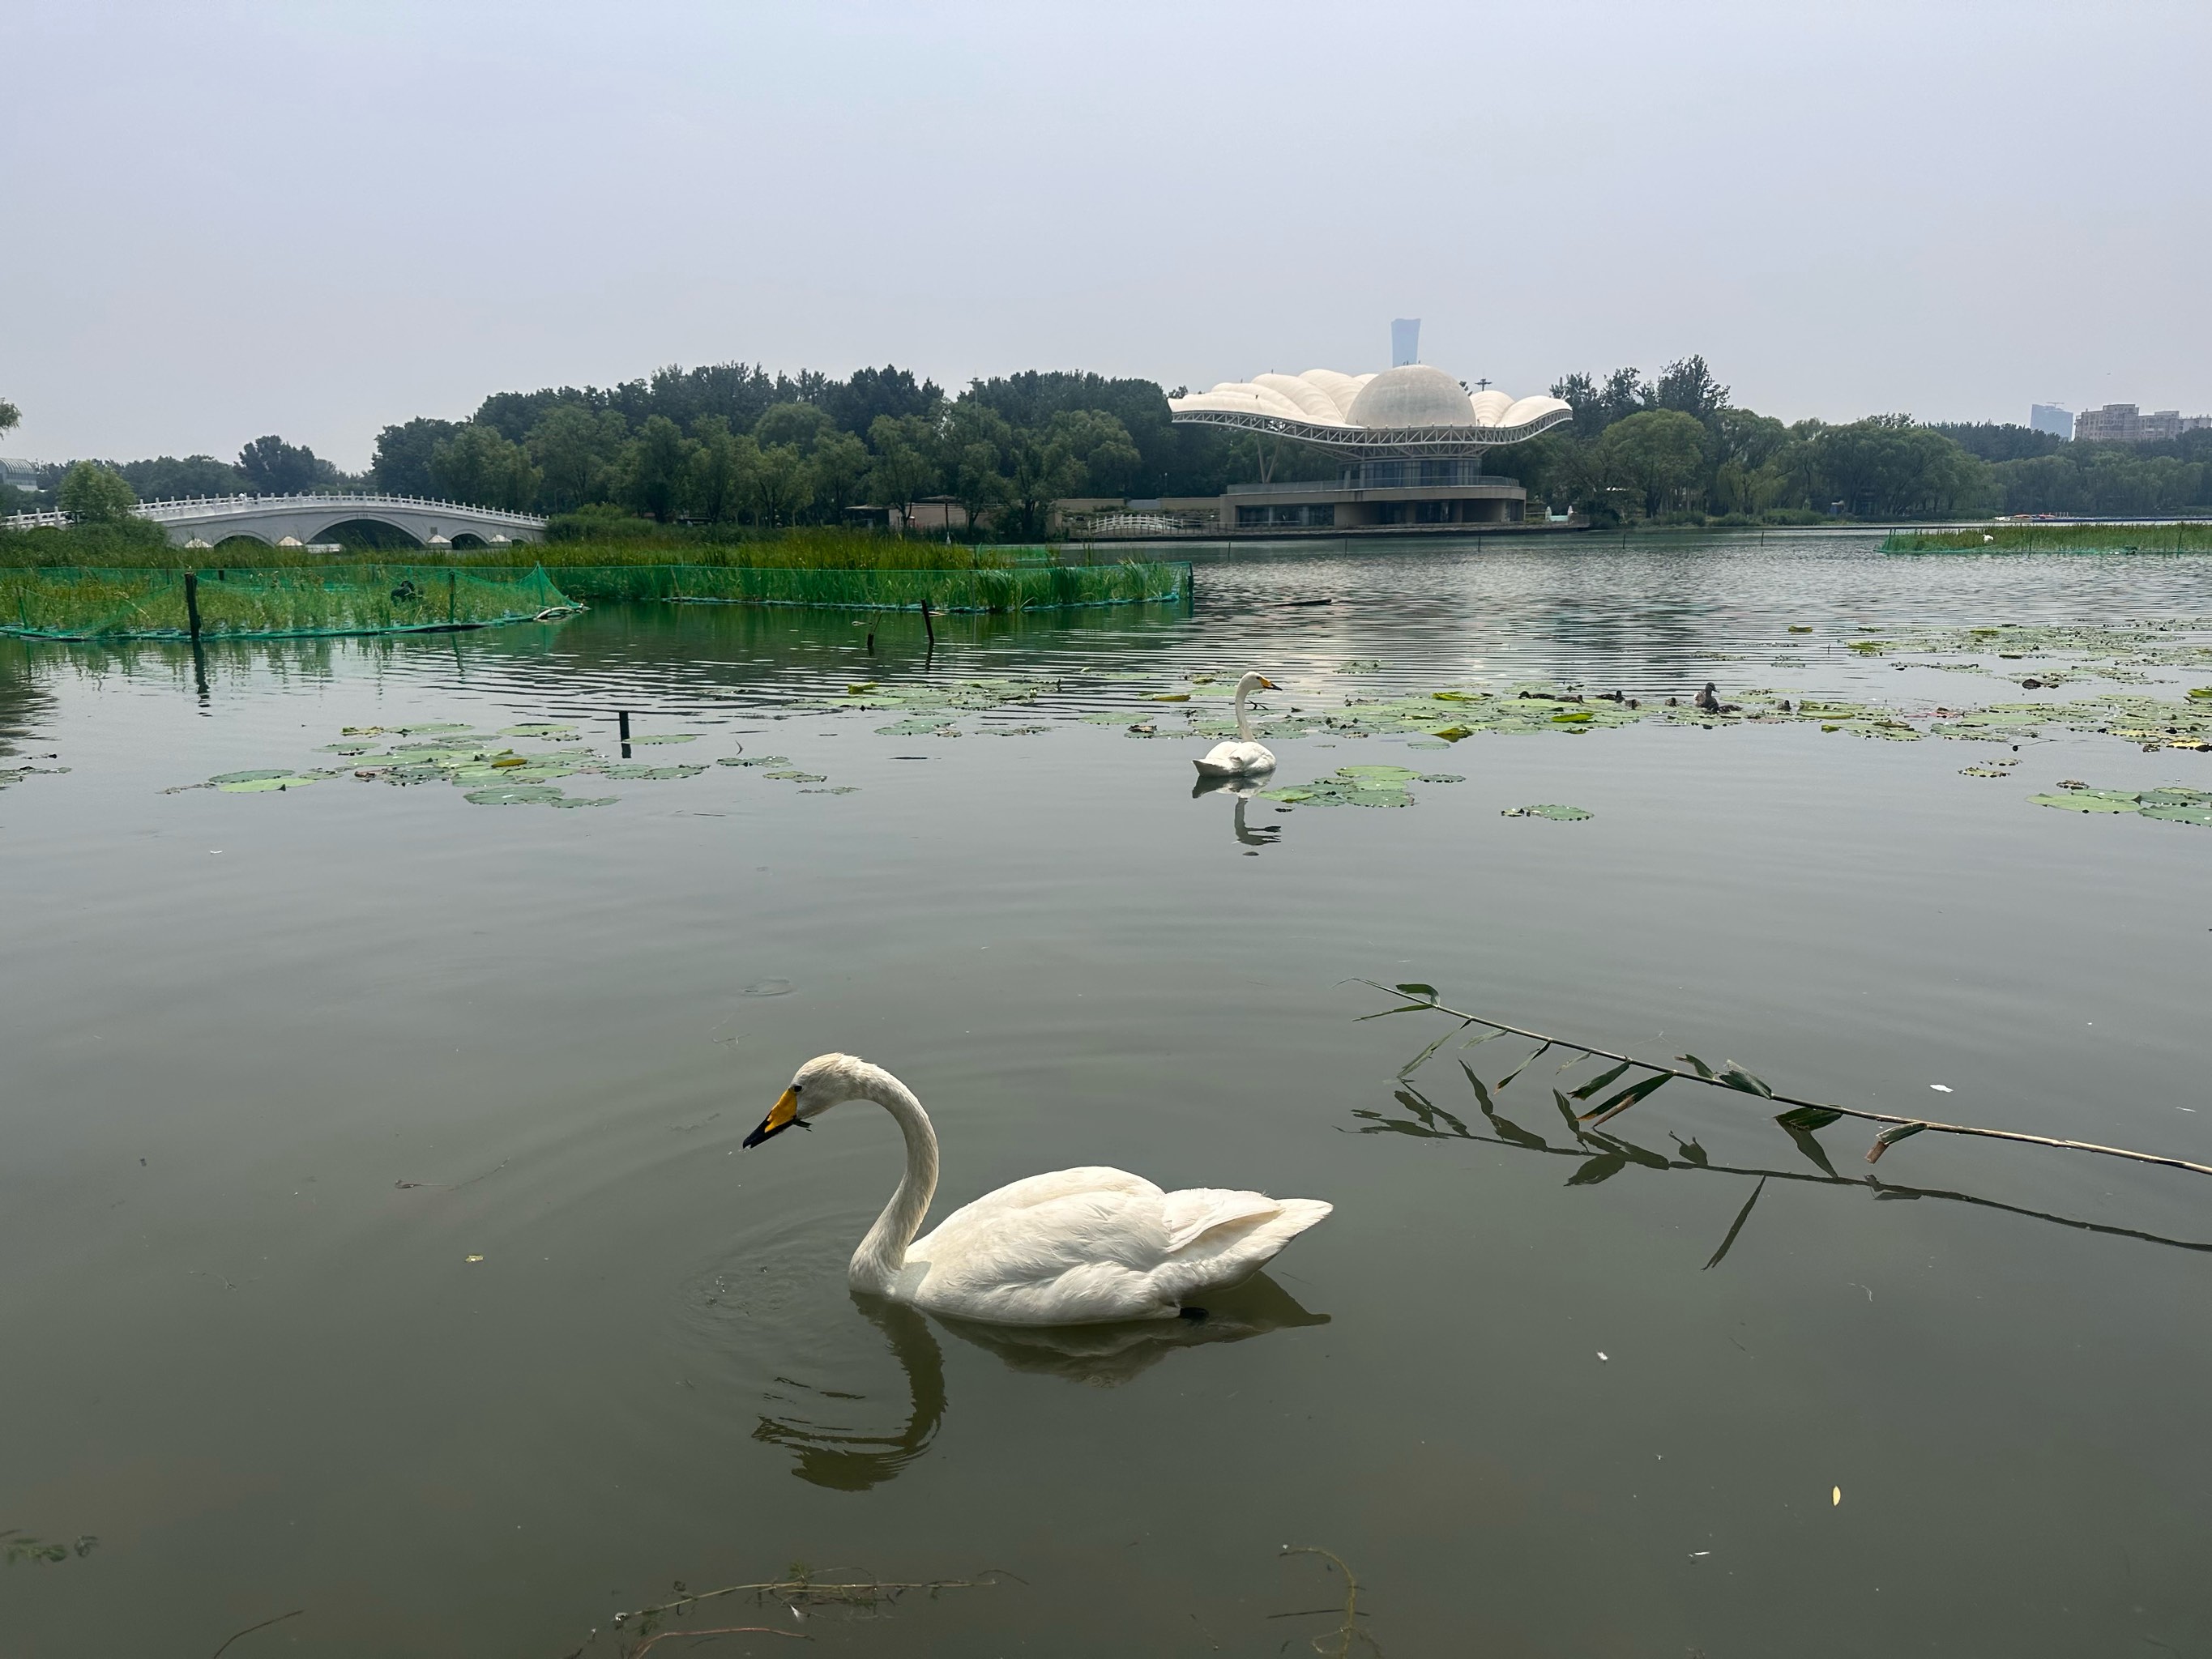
[[1077, 1247], [1233, 759]]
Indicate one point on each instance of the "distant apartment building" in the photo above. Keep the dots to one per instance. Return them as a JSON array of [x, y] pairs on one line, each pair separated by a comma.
[[2124, 423], [2050, 418]]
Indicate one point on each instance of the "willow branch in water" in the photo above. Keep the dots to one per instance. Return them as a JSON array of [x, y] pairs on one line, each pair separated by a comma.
[[802, 1588], [1737, 1080], [1349, 1631], [1519, 1139]]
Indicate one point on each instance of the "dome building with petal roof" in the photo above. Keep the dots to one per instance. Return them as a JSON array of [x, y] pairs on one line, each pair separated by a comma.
[[1411, 439]]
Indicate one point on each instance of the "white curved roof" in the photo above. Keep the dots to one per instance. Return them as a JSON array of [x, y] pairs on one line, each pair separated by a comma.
[[1420, 397]]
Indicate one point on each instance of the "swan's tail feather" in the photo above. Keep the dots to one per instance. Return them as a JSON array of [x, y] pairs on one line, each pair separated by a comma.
[[1232, 1247]]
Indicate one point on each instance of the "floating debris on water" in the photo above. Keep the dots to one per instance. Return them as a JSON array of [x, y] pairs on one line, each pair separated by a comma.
[[1561, 814], [16, 774]]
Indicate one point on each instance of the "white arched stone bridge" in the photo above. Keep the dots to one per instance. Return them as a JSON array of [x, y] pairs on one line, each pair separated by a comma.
[[310, 518]]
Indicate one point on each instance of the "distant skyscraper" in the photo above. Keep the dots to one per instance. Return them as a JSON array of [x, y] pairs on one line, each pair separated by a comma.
[[1405, 340], [2050, 418]]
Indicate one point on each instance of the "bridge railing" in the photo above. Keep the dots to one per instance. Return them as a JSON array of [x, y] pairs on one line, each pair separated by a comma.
[[185, 508]]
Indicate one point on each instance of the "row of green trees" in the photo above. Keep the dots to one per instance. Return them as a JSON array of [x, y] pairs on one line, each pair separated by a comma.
[[731, 444], [1677, 447]]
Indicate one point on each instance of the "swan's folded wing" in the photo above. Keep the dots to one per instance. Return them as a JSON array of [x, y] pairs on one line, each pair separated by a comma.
[[1236, 1243], [1196, 1210], [1083, 1256]]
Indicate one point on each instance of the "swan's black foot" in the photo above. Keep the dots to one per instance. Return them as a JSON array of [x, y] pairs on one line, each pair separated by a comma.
[[1194, 1315]]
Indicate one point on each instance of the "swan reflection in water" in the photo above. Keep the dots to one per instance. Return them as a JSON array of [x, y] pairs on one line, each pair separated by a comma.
[[1244, 789], [852, 1459]]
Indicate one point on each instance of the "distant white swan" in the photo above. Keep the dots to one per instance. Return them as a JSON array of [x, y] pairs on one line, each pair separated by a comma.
[[1077, 1247], [1233, 760]]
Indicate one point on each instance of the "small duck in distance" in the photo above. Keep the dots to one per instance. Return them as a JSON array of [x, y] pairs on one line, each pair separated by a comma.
[[1710, 704], [1246, 754]]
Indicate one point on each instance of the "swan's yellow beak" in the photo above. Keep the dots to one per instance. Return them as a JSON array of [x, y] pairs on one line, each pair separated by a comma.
[[780, 1116], [1266, 684]]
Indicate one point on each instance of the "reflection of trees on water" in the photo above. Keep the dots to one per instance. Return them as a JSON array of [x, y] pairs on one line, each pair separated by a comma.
[[847, 1458], [23, 705], [1600, 1156]]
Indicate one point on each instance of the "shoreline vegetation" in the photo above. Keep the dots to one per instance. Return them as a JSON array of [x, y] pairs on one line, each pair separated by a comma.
[[728, 449], [295, 596], [2174, 538]]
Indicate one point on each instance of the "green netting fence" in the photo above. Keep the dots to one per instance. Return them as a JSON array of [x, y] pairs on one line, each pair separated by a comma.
[[1022, 587], [234, 603]]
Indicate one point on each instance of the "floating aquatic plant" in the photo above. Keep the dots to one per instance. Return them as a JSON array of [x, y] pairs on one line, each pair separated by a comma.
[[1358, 786], [2173, 805], [16, 774], [1562, 814], [488, 769]]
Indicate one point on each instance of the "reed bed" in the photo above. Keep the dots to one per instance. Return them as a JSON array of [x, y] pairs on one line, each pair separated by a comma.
[[233, 602], [987, 589], [2056, 539]]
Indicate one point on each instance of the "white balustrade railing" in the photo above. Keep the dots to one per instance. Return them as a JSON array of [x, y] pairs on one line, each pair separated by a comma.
[[191, 509]]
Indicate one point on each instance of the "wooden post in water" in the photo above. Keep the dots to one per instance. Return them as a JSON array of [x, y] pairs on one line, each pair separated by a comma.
[[623, 718], [449, 599], [928, 625], [192, 604]]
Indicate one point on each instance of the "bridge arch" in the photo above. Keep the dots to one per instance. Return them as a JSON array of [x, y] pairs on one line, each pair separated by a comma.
[[385, 536]]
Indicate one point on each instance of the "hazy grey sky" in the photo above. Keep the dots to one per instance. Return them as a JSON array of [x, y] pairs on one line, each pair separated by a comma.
[[229, 219]]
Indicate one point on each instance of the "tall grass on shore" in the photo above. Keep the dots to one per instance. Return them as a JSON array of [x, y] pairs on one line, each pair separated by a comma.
[[2056, 539], [580, 540], [991, 589], [67, 603], [145, 602]]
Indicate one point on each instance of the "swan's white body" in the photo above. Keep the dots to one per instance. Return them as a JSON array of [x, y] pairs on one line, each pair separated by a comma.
[[1246, 754], [1076, 1247]]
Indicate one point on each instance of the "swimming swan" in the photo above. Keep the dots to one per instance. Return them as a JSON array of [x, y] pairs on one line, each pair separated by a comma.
[[1230, 760], [1077, 1247]]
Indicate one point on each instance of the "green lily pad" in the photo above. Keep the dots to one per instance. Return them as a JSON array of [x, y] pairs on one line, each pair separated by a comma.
[[1352, 786], [532, 795], [794, 776], [668, 736], [754, 760], [2090, 800], [639, 770], [262, 785], [2176, 814], [1561, 814], [532, 771], [223, 780], [927, 726]]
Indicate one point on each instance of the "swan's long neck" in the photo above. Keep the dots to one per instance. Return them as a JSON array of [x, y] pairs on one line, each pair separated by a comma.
[[876, 1264], [1243, 715]]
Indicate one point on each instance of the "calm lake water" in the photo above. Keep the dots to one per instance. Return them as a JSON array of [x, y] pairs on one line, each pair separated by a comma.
[[281, 1067]]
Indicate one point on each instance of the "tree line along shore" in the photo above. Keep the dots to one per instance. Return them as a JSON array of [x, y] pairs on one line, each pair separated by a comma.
[[689, 459]]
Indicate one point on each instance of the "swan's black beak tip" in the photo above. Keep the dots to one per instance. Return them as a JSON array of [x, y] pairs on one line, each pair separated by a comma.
[[780, 1116]]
